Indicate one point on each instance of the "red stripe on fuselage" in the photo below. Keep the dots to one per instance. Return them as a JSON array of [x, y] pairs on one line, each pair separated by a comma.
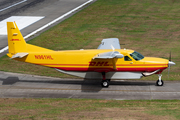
[[141, 65], [111, 65], [89, 68], [64, 64]]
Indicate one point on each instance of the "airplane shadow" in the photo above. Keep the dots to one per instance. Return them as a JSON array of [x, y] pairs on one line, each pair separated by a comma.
[[10, 80], [86, 85]]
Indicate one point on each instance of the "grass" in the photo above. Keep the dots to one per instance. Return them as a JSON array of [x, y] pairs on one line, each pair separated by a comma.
[[22, 108], [150, 27]]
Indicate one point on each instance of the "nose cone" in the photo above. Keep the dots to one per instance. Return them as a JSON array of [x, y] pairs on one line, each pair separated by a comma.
[[171, 63]]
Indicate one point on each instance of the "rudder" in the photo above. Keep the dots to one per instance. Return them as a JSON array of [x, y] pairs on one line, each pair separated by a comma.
[[16, 41]]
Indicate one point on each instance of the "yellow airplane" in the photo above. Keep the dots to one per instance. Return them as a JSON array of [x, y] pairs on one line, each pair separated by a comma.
[[106, 63]]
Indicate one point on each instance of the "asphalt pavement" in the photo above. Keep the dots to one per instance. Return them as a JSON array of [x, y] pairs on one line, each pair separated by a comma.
[[13, 85]]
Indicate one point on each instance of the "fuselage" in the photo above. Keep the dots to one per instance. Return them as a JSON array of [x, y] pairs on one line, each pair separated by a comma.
[[82, 60]]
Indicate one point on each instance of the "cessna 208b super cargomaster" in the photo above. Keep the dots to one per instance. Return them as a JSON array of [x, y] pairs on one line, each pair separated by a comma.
[[106, 63]]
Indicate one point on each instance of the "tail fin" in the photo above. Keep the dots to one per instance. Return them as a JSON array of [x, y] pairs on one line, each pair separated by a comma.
[[18, 48], [16, 41]]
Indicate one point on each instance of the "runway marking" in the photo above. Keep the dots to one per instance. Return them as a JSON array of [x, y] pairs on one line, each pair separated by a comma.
[[21, 21], [52, 22], [89, 90], [12, 5]]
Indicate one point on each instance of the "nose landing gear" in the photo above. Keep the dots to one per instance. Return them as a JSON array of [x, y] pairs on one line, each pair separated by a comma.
[[159, 82]]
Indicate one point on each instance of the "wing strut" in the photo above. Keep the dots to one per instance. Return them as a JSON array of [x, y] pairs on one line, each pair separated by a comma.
[[114, 64]]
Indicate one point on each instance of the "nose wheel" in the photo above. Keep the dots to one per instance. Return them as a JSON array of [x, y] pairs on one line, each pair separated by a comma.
[[159, 82]]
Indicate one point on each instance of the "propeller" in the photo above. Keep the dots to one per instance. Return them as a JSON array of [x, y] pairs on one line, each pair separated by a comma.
[[170, 56], [170, 64]]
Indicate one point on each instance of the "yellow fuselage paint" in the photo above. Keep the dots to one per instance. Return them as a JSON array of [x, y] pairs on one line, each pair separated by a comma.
[[82, 60]]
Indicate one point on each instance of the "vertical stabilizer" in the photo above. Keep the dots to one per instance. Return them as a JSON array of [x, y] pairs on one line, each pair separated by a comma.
[[16, 41]]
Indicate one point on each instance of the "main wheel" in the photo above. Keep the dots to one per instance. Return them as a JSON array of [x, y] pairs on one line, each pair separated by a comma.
[[159, 83], [105, 83]]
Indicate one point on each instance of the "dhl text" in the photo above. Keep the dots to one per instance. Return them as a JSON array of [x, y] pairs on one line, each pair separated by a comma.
[[99, 64]]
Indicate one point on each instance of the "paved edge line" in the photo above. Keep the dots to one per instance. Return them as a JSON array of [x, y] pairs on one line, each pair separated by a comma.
[[4, 49], [12, 5], [50, 23]]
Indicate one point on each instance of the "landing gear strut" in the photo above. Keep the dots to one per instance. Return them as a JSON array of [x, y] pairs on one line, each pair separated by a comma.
[[159, 82], [105, 82]]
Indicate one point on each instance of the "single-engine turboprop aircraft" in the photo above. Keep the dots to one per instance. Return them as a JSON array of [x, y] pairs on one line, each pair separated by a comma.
[[106, 63]]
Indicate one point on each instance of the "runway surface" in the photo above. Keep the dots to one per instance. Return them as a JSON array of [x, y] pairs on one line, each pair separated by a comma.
[[47, 10], [14, 85]]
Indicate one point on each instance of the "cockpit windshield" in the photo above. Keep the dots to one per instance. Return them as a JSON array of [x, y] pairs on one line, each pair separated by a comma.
[[136, 55]]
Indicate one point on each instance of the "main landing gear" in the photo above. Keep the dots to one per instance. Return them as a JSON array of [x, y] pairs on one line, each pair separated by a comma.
[[159, 82], [105, 82]]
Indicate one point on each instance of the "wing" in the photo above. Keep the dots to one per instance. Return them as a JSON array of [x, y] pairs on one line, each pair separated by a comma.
[[108, 55], [107, 43]]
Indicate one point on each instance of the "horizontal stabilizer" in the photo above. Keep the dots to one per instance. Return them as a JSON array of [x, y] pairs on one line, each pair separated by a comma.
[[20, 55], [109, 55]]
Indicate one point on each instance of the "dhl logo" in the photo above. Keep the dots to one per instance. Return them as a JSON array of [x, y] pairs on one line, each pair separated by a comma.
[[99, 64], [15, 40], [43, 57]]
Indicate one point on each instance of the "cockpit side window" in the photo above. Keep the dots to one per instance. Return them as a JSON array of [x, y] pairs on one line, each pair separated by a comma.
[[136, 55], [126, 58]]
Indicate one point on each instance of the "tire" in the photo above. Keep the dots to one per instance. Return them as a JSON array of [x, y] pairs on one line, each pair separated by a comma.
[[105, 83], [158, 83]]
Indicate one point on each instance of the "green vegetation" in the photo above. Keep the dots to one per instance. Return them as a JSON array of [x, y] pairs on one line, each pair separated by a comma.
[[89, 109], [150, 27]]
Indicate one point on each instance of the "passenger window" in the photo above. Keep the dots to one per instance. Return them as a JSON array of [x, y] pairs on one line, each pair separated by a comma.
[[126, 58]]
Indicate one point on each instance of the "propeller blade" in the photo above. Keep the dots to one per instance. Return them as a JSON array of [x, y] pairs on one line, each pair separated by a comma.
[[169, 64], [168, 71], [170, 56]]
